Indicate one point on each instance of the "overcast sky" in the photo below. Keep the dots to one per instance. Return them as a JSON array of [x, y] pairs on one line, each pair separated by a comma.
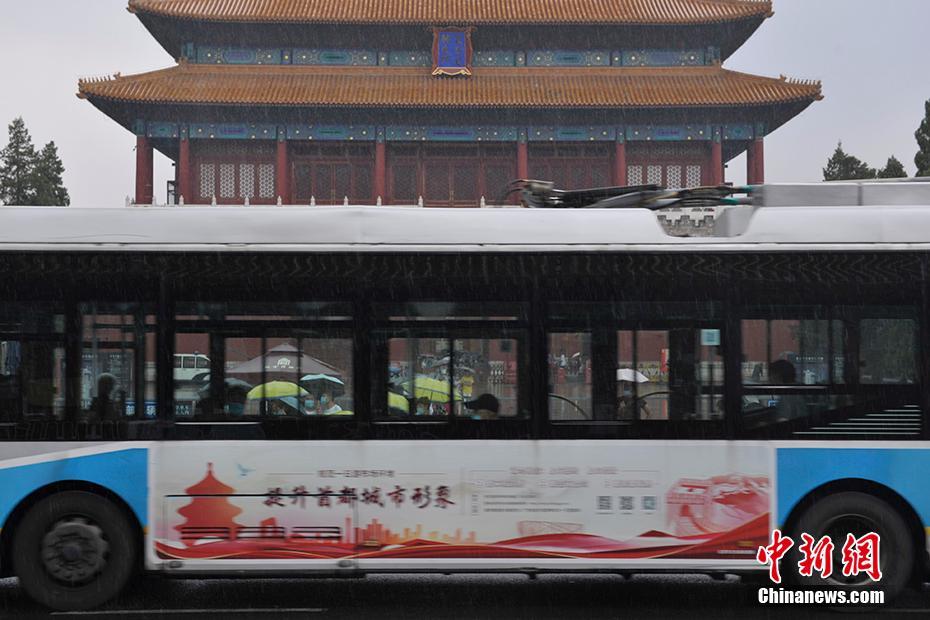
[[870, 54]]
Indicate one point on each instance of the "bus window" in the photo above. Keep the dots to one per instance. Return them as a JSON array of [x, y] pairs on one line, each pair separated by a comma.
[[570, 377], [418, 379], [117, 362], [471, 378], [887, 351], [788, 364], [189, 382], [326, 374], [811, 347], [822, 377], [31, 380], [670, 375], [32, 363], [272, 377], [486, 374]]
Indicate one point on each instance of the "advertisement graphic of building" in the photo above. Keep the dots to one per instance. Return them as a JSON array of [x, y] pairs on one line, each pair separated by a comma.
[[444, 101]]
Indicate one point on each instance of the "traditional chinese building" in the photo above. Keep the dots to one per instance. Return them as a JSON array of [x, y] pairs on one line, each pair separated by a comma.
[[448, 100]]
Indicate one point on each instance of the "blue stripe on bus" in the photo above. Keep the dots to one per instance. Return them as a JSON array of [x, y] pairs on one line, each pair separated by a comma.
[[801, 470], [124, 472]]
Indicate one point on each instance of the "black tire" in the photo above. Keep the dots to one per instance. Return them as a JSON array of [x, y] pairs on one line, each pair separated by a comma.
[[105, 539], [850, 510]]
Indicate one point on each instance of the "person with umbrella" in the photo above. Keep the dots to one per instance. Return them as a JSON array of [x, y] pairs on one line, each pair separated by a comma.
[[276, 398], [628, 405], [327, 405]]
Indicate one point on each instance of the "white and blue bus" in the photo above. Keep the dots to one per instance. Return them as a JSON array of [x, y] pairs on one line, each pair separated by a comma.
[[494, 390]]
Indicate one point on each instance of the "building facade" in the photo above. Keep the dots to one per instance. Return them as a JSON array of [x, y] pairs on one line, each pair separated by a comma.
[[444, 101]]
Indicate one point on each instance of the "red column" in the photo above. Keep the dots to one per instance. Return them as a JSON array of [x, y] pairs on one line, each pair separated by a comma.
[[381, 171], [758, 149], [620, 165], [523, 160], [716, 161], [144, 171], [282, 172], [184, 170]]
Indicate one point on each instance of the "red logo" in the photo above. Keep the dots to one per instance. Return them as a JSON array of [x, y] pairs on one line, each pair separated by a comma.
[[859, 555]]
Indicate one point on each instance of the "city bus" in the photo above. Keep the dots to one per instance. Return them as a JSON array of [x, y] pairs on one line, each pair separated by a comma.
[[408, 390]]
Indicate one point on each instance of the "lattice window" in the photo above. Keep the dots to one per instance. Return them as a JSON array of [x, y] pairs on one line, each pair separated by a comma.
[[654, 175], [673, 176], [437, 181], [405, 182], [266, 181], [600, 176], [246, 180], [207, 181], [342, 182], [227, 180], [465, 182], [497, 174], [693, 176], [363, 183], [634, 175]]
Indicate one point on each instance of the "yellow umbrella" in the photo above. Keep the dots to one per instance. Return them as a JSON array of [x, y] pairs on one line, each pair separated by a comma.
[[397, 401], [436, 390], [277, 389]]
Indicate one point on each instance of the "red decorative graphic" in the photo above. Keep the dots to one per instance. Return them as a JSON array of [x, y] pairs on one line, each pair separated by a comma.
[[210, 531], [208, 511], [716, 505]]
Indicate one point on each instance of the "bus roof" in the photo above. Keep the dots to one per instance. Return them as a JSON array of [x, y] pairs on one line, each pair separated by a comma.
[[405, 229]]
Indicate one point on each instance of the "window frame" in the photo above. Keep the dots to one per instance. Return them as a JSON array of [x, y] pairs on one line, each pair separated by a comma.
[[850, 316], [451, 426], [604, 362], [265, 427]]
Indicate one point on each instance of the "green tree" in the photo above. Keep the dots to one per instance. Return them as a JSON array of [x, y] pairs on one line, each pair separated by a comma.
[[46, 178], [844, 167], [28, 178], [923, 139], [17, 161], [894, 169]]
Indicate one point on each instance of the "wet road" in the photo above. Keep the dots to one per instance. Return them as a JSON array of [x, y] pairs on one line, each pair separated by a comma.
[[428, 597]]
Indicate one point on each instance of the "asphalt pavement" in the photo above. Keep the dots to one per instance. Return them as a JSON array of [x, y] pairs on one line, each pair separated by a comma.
[[429, 597]]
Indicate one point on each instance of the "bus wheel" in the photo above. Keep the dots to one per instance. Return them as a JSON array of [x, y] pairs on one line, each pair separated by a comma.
[[74, 550], [857, 514]]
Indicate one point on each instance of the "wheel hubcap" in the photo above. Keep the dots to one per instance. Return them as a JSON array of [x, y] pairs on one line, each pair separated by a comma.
[[74, 551], [858, 526]]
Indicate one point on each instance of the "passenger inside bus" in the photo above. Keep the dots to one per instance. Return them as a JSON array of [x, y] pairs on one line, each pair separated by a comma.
[[102, 405], [628, 405], [327, 405], [787, 406], [236, 397], [485, 407]]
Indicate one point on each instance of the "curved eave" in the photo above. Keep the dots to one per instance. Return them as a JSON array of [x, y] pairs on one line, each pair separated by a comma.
[[489, 88], [457, 12], [728, 30]]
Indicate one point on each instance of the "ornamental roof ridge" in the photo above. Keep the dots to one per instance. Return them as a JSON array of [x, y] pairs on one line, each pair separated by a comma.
[[452, 12]]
